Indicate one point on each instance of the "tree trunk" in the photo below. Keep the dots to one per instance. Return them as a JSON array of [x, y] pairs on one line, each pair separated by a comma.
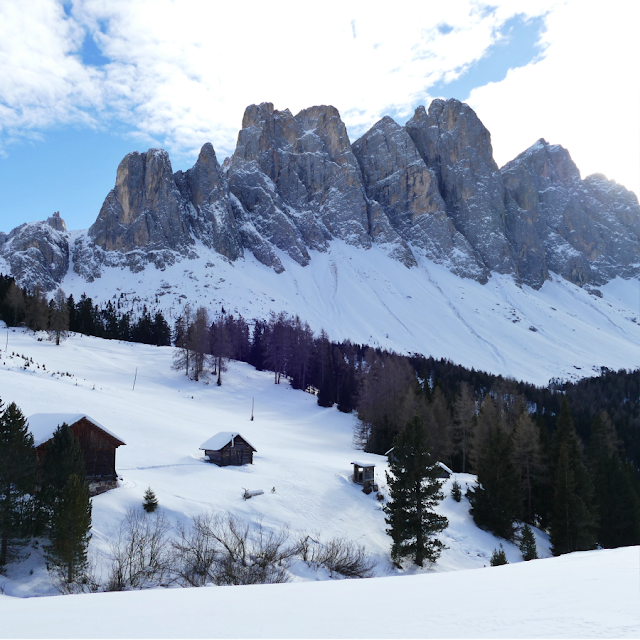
[[419, 540], [3, 549]]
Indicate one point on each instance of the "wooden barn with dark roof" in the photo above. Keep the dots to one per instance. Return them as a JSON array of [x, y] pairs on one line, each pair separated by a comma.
[[98, 445]]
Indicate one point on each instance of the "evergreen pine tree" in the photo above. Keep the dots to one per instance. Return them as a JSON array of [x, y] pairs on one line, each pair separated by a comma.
[[70, 530], [17, 476], [573, 522], [150, 503], [496, 501], [528, 544], [498, 557], [617, 504], [62, 460], [456, 492], [414, 490]]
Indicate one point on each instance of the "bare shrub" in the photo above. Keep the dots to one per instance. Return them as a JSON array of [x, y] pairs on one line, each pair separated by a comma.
[[140, 555], [227, 551], [339, 556], [196, 551]]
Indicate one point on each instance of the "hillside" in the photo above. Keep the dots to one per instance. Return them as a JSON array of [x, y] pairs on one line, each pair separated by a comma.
[[558, 331], [303, 451]]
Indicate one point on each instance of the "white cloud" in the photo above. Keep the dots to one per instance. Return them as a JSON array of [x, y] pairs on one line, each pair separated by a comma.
[[584, 94], [182, 73], [42, 82]]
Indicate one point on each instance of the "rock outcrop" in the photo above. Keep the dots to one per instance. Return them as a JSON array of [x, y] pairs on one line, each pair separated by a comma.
[[154, 215], [397, 178], [300, 184], [588, 230], [456, 146], [37, 253]]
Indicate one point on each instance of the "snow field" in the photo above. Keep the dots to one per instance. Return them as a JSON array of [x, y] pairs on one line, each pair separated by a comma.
[[304, 451], [582, 595], [369, 298]]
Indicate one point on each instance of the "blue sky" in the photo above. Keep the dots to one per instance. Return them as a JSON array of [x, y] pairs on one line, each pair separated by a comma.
[[87, 82]]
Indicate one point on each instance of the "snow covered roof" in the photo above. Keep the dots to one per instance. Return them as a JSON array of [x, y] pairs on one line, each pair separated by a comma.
[[364, 464], [42, 425], [444, 466], [221, 439]]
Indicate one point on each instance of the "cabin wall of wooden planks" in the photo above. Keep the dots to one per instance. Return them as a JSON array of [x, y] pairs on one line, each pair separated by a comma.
[[98, 449], [241, 453]]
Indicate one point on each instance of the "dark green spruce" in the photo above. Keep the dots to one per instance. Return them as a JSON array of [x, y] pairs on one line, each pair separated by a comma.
[[527, 544], [17, 478], [415, 491], [63, 459], [496, 500], [70, 530], [573, 519]]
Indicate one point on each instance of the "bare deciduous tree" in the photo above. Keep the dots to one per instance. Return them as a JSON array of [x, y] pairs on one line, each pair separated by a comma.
[[141, 553], [464, 419], [58, 317]]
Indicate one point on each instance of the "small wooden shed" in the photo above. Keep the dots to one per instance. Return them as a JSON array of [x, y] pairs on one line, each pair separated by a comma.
[[97, 443], [363, 473], [228, 448], [443, 471]]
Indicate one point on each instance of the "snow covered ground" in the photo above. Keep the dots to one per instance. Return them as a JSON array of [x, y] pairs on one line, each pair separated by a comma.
[[304, 452], [582, 595], [560, 331]]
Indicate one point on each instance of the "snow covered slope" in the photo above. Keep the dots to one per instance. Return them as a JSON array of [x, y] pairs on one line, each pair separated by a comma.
[[593, 594], [558, 331], [303, 451]]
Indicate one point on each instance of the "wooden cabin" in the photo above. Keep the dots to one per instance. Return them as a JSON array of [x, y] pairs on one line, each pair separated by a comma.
[[228, 448], [363, 473], [97, 443], [444, 472]]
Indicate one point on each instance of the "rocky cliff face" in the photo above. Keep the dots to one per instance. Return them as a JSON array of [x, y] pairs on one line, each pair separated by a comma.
[[300, 184], [585, 230], [398, 179], [295, 183], [456, 146], [37, 253]]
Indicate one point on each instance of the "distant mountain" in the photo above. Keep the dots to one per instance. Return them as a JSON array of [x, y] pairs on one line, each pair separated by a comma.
[[295, 183]]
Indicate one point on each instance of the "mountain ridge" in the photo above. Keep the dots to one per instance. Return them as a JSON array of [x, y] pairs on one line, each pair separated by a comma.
[[295, 183]]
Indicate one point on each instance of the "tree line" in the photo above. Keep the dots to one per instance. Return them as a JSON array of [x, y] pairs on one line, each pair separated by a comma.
[[60, 315]]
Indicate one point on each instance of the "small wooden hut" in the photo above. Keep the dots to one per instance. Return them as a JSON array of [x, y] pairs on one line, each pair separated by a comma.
[[97, 443], [363, 473], [444, 472], [228, 448]]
